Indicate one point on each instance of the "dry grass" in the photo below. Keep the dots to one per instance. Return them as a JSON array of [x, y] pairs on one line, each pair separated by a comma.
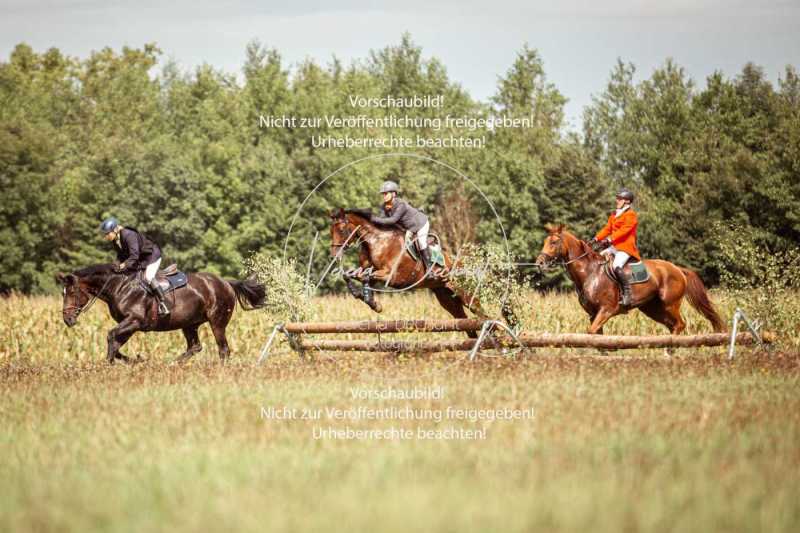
[[629, 442]]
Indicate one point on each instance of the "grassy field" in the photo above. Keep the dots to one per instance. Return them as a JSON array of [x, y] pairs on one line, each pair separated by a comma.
[[623, 441]]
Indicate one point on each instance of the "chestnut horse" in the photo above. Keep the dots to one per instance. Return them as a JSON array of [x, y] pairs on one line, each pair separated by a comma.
[[382, 258], [659, 297], [205, 298]]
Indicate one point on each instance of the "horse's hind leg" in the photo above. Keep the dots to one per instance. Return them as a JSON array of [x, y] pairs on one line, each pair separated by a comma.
[[218, 325], [453, 304], [222, 340], [469, 301], [669, 315], [193, 345]]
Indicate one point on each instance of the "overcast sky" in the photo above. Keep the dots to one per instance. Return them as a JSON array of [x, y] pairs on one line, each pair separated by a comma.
[[477, 41]]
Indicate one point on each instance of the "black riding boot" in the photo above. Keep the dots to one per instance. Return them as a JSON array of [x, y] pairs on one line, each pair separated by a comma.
[[427, 261], [163, 310], [625, 283]]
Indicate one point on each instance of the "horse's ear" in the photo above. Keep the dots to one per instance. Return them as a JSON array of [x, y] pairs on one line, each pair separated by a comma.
[[65, 279], [337, 214], [551, 228], [560, 228]]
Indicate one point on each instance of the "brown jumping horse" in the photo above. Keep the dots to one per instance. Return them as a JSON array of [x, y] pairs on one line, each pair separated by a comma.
[[383, 259], [659, 297], [205, 298]]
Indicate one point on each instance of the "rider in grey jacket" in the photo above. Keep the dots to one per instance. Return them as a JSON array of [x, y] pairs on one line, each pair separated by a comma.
[[398, 212]]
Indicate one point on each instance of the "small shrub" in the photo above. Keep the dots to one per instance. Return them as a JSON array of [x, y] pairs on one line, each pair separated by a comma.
[[764, 283], [488, 273], [287, 298]]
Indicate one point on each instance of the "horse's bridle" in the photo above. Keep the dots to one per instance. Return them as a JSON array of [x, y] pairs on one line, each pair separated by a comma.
[[347, 240], [88, 304], [554, 259]]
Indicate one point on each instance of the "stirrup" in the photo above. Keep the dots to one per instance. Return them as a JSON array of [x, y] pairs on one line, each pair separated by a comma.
[[622, 297], [163, 310]]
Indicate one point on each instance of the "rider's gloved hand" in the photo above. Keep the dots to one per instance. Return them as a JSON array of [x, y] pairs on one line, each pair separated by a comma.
[[121, 267]]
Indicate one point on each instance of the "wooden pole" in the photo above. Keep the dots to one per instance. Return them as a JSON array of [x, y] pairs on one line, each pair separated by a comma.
[[545, 340], [388, 326]]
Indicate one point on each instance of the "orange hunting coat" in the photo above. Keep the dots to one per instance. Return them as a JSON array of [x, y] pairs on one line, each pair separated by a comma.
[[622, 231]]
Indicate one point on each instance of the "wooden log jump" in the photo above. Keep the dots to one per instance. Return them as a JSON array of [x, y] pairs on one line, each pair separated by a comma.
[[544, 340], [294, 332]]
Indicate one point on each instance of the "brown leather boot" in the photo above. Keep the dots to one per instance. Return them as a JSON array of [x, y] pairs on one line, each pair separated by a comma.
[[625, 284]]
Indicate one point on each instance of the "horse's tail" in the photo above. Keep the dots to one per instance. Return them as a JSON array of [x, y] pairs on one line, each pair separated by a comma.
[[250, 293], [698, 298]]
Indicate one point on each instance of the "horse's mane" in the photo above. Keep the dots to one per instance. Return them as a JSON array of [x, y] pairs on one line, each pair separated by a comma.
[[362, 212], [102, 268], [366, 214], [585, 248]]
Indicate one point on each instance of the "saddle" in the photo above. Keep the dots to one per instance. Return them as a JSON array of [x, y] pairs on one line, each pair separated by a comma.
[[636, 270], [169, 278], [434, 243]]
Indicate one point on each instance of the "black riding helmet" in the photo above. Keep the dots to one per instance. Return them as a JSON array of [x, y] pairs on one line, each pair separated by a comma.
[[625, 194]]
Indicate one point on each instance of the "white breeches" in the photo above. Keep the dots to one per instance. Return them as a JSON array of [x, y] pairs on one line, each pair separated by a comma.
[[620, 257], [422, 236], [151, 269]]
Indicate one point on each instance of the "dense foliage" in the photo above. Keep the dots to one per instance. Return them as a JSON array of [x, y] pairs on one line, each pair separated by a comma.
[[182, 156]]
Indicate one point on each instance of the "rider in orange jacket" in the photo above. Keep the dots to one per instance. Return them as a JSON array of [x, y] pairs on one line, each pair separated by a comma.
[[618, 237]]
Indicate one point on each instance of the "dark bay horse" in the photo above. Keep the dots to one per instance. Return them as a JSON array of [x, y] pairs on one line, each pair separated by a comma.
[[383, 259], [659, 297], [205, 298]]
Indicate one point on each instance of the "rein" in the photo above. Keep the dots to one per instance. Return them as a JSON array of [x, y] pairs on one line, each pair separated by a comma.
[[89, 303], [565, 263], [584, 254]]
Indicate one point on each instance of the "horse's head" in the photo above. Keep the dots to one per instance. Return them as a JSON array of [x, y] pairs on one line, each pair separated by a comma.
[[344, 225], [340, 230], [82, 287], [76, 296], [553, 248]]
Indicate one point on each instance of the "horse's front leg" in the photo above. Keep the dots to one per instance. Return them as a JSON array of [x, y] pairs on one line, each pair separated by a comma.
[[602, 316], [351, 286], [369, 295], [119, 336]]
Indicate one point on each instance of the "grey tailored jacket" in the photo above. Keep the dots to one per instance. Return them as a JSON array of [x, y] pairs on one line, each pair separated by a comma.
[[403, 215]]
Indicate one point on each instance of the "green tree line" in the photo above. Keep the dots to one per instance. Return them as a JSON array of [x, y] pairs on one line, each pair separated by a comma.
[[182, 156]]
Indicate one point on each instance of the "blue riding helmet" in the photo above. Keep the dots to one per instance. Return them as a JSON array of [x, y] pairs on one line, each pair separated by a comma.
[[109, 225]]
